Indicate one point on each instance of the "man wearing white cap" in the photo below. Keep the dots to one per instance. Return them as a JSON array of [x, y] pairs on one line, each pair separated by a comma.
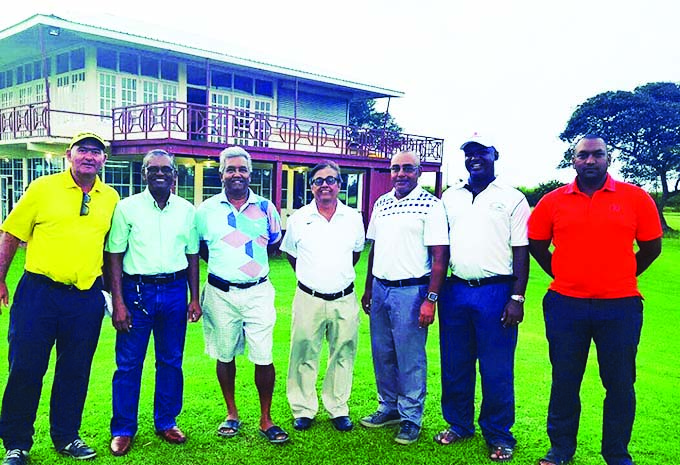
[[482, 301], [64, 219]]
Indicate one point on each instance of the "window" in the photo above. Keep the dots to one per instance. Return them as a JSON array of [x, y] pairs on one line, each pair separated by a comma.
[[10, 78], [20, 75], [62, 63], [77, 59], [212, 181], [169, 92], [129, 63], [185, 182], [107, 93], [169, 71], [261, 182], [107, 59], [265, 88], [28, 72], [243, 83], [220, 80], [150, 92], [150, 67], [37, 70], [2, 81], [128, 91], [196, 75]]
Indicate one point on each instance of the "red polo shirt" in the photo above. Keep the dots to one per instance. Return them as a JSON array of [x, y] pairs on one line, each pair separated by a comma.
[[593, 237]]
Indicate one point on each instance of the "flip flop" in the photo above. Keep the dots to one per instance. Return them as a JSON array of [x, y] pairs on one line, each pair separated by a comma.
[[500, 453], [275, 435], [229, 428], [447, 437]]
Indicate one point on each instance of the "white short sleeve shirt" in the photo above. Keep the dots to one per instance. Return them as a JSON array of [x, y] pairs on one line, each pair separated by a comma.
[[402, 230], [483, 231], [324, 249]]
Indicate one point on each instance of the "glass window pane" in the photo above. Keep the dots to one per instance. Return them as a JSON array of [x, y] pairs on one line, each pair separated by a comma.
[[244, 84], [106, 59], [196, 75], [78, 59], [220, 80], [150, 67], [169, 71], [37, 70], [265, 88], [129, 63], [20, 75]]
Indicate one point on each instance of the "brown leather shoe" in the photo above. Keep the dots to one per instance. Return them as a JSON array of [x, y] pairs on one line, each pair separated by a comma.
[[121, 445], [173, 435]]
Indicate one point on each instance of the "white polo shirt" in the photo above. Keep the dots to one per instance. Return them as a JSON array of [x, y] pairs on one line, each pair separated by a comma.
[[482, 232], [402, 230], [324, 249]]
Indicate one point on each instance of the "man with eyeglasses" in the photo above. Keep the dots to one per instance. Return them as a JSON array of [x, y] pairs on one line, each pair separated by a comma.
[[236, 227], [323, 242], [406, 268], [63, 218], [482, 302], [153, 258]]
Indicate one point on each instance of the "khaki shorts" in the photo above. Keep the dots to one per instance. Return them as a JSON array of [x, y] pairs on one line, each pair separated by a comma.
[[236, 318]]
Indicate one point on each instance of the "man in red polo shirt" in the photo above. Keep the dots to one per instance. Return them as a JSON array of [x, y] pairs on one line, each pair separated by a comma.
[[592, 224]]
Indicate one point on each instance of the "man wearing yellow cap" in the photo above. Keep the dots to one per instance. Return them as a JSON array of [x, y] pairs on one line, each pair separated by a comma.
[[63, 218]]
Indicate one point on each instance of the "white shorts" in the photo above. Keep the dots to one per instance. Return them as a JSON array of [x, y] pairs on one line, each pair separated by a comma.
[[232, 319]]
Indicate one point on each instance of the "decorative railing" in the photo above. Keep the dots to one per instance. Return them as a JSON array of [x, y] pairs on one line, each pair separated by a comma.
[[24, 121], [232, 126]]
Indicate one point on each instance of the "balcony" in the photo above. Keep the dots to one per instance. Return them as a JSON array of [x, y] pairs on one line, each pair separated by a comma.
[[229, 126]]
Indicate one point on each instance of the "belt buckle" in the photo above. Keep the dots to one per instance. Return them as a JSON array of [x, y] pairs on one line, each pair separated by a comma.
[[474, 282]]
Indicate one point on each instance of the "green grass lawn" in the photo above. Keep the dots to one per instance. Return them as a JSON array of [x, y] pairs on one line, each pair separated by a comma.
[[655, 437]]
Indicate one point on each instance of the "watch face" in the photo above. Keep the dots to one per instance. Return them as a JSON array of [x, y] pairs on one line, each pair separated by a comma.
[[432, 296]]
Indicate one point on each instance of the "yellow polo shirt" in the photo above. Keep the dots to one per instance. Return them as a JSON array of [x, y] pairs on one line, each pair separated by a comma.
[[61, 244]]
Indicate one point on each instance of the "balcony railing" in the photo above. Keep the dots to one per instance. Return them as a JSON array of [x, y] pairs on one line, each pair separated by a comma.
[[24, 121], [219, 125]]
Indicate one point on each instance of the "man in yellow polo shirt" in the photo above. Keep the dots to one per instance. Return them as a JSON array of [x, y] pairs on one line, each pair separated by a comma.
[[63, 218]]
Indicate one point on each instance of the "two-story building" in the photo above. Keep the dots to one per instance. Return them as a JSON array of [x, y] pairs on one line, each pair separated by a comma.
[[60, 77]]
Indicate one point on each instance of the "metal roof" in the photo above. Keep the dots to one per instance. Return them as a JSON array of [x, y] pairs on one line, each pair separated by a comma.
[[362, 90]]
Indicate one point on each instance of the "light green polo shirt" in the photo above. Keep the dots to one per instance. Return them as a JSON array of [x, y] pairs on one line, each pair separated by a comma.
[[154, 240]]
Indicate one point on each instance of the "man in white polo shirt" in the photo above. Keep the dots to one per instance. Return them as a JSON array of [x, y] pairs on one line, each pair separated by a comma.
[[323, 242], [482, 302], [406, 268]]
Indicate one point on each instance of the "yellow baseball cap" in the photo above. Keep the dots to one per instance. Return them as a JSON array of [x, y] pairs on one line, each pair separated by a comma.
[[87, 135]]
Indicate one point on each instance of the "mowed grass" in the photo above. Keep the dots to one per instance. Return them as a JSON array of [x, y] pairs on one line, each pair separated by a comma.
[[655, 437]]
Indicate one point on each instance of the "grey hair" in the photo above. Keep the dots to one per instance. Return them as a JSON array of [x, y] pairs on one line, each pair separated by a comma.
[[158, 153], [234, 152]]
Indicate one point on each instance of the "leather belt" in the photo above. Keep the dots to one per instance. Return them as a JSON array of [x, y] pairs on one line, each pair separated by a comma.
[[483, 281], [405, 282], [348, 290], [224, 285], [161, 278]]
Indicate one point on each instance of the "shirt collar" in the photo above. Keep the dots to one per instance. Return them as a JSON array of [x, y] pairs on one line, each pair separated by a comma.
[[146, 194], [339, 209], [251, 197], [69, 182], [609, 185], [414, 193]]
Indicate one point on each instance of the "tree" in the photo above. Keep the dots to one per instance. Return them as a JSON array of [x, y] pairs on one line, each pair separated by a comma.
[[362, 114], [534, 194], [642, 127]]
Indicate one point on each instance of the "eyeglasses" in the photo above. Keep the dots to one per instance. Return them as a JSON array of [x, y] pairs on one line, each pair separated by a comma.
[[84, 207], [408, 169], [330, 180], [160, 169]]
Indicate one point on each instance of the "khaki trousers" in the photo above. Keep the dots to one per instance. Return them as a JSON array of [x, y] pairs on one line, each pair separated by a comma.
[[313, 320]]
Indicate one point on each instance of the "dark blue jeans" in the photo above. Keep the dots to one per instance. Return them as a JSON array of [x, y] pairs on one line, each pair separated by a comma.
[[44, 313], [470, 329], [570, 325], [163, 311]]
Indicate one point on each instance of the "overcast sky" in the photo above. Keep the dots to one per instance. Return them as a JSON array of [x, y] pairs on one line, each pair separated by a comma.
[[515, 69]]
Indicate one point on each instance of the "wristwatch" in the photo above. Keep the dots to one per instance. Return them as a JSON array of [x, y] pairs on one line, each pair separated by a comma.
[[432, 297], [518, 298]]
